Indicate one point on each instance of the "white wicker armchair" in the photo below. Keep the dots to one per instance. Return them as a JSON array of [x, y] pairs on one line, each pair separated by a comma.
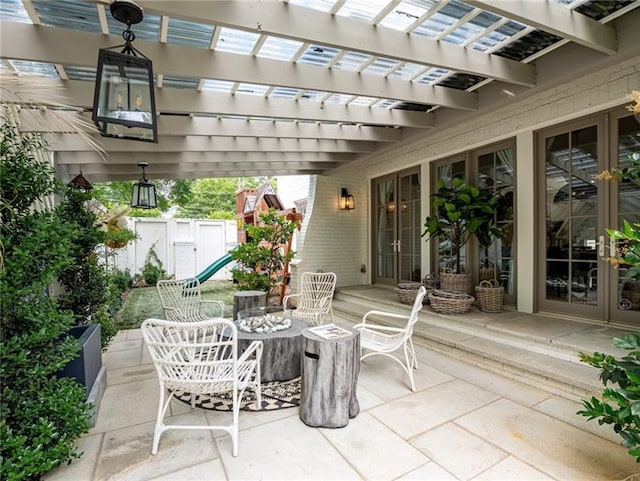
[[182, 301], [314, 299], [385, 340], [189, 359]]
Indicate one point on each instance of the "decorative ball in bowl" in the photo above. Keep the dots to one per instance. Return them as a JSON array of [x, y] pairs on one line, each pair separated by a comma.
[[263, 319]]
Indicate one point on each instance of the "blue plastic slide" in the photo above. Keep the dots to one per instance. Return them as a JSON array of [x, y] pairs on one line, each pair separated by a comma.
[[213, 268]]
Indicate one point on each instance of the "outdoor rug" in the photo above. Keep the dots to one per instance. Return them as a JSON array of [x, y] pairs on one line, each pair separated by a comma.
[[275, 395]]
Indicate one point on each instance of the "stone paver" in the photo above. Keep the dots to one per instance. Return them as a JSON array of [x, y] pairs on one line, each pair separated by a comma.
[[463, 423]]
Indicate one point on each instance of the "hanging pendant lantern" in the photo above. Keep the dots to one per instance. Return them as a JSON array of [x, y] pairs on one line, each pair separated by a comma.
[[124, 99], [144, 192]]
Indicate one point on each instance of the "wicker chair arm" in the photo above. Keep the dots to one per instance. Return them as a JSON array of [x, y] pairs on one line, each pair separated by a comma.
[[220, 305], [384, 314], [381, 329], [173, 314], [287, 297], [255, 348]]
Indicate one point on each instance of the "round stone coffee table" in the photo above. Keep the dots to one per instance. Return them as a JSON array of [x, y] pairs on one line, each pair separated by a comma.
[[281, 350]]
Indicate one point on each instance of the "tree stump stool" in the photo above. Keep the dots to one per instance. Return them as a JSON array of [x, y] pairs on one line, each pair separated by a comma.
[[246, 299], [330, 369]]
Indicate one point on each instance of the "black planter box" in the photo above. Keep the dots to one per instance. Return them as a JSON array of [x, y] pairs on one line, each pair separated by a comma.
[[86, 366]]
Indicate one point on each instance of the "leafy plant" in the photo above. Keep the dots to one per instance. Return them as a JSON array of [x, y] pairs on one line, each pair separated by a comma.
[[620, 403], [40, 416], [461, 211], [152, 270], [85, 280], [261, 259]]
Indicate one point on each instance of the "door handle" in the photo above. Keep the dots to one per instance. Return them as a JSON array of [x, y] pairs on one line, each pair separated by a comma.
[[601, 246], [612, 247]]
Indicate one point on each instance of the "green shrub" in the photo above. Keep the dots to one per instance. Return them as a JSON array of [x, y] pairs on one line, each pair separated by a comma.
[[152, 270], [260, 260], [40, 416], [619, 406]]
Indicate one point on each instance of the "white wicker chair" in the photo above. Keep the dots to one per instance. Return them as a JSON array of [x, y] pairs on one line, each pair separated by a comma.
[[385, 340], [182, 301], [315, 297], [189, 359]]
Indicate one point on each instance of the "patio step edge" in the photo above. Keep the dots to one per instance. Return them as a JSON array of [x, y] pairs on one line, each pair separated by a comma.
[[542, 367]]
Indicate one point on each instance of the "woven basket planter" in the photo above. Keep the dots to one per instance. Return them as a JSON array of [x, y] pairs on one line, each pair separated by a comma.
[[456, 282], [407, 291], [450, 302], [490, 296]]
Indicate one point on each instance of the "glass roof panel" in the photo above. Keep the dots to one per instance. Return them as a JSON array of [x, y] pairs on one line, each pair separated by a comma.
[[35, 68], [252, 89], [284, 93], [319, 56], [236, 41], [80, 73], [497, 36], [171, 81], [313, 95], [218, 86], [432, 75], [321, 5], [456, 9], [406, 13], [13, 11], [363, 101], [460, 35], [385, 103], [434, 26], [364, 10], [69, 14], [279, 48], [338, 99], [352, 61], [380, 66], [192, 34], [485, 19], [407, 71]]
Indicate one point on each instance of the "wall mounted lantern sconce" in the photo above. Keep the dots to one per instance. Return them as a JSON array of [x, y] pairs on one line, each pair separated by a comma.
[[144, 192], [346, 200], [124, 104]]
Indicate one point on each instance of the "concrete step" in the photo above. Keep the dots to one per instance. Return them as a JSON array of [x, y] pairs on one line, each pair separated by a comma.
[[552, 366]]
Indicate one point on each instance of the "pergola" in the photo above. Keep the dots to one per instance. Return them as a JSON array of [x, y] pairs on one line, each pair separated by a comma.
[[296, 87]]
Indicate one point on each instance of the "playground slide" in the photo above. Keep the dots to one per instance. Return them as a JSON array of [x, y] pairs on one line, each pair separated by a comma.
[[213, 268]]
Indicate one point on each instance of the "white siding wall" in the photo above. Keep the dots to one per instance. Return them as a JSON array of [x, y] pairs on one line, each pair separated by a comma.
[[339, 241]]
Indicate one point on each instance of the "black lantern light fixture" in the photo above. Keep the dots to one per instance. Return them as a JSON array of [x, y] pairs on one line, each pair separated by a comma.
[[124, 103], [346, 201], [144, 192]]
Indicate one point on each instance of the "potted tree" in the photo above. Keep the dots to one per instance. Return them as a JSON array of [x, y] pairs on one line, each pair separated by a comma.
[[261, 260], [459, 212]]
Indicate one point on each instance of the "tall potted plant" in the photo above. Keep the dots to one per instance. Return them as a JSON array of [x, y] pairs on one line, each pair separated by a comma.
[[261, 260], [458, 213]]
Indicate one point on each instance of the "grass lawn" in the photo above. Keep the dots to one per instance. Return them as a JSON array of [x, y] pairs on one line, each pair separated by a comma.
[[143, 302]]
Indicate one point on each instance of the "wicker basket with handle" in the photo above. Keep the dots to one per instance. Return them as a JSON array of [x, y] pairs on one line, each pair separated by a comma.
[[407, 291], [450, 302], [490, 296]]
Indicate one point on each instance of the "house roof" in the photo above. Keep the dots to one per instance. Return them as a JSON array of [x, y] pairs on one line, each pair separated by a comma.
[[250, 87]]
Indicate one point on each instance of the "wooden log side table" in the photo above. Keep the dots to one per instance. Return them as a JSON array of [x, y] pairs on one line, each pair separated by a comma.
[[330, 369], [247, 299], [281, 351]]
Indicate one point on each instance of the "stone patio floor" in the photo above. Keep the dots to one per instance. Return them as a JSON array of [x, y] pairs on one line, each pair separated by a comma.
[[463, 423]]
